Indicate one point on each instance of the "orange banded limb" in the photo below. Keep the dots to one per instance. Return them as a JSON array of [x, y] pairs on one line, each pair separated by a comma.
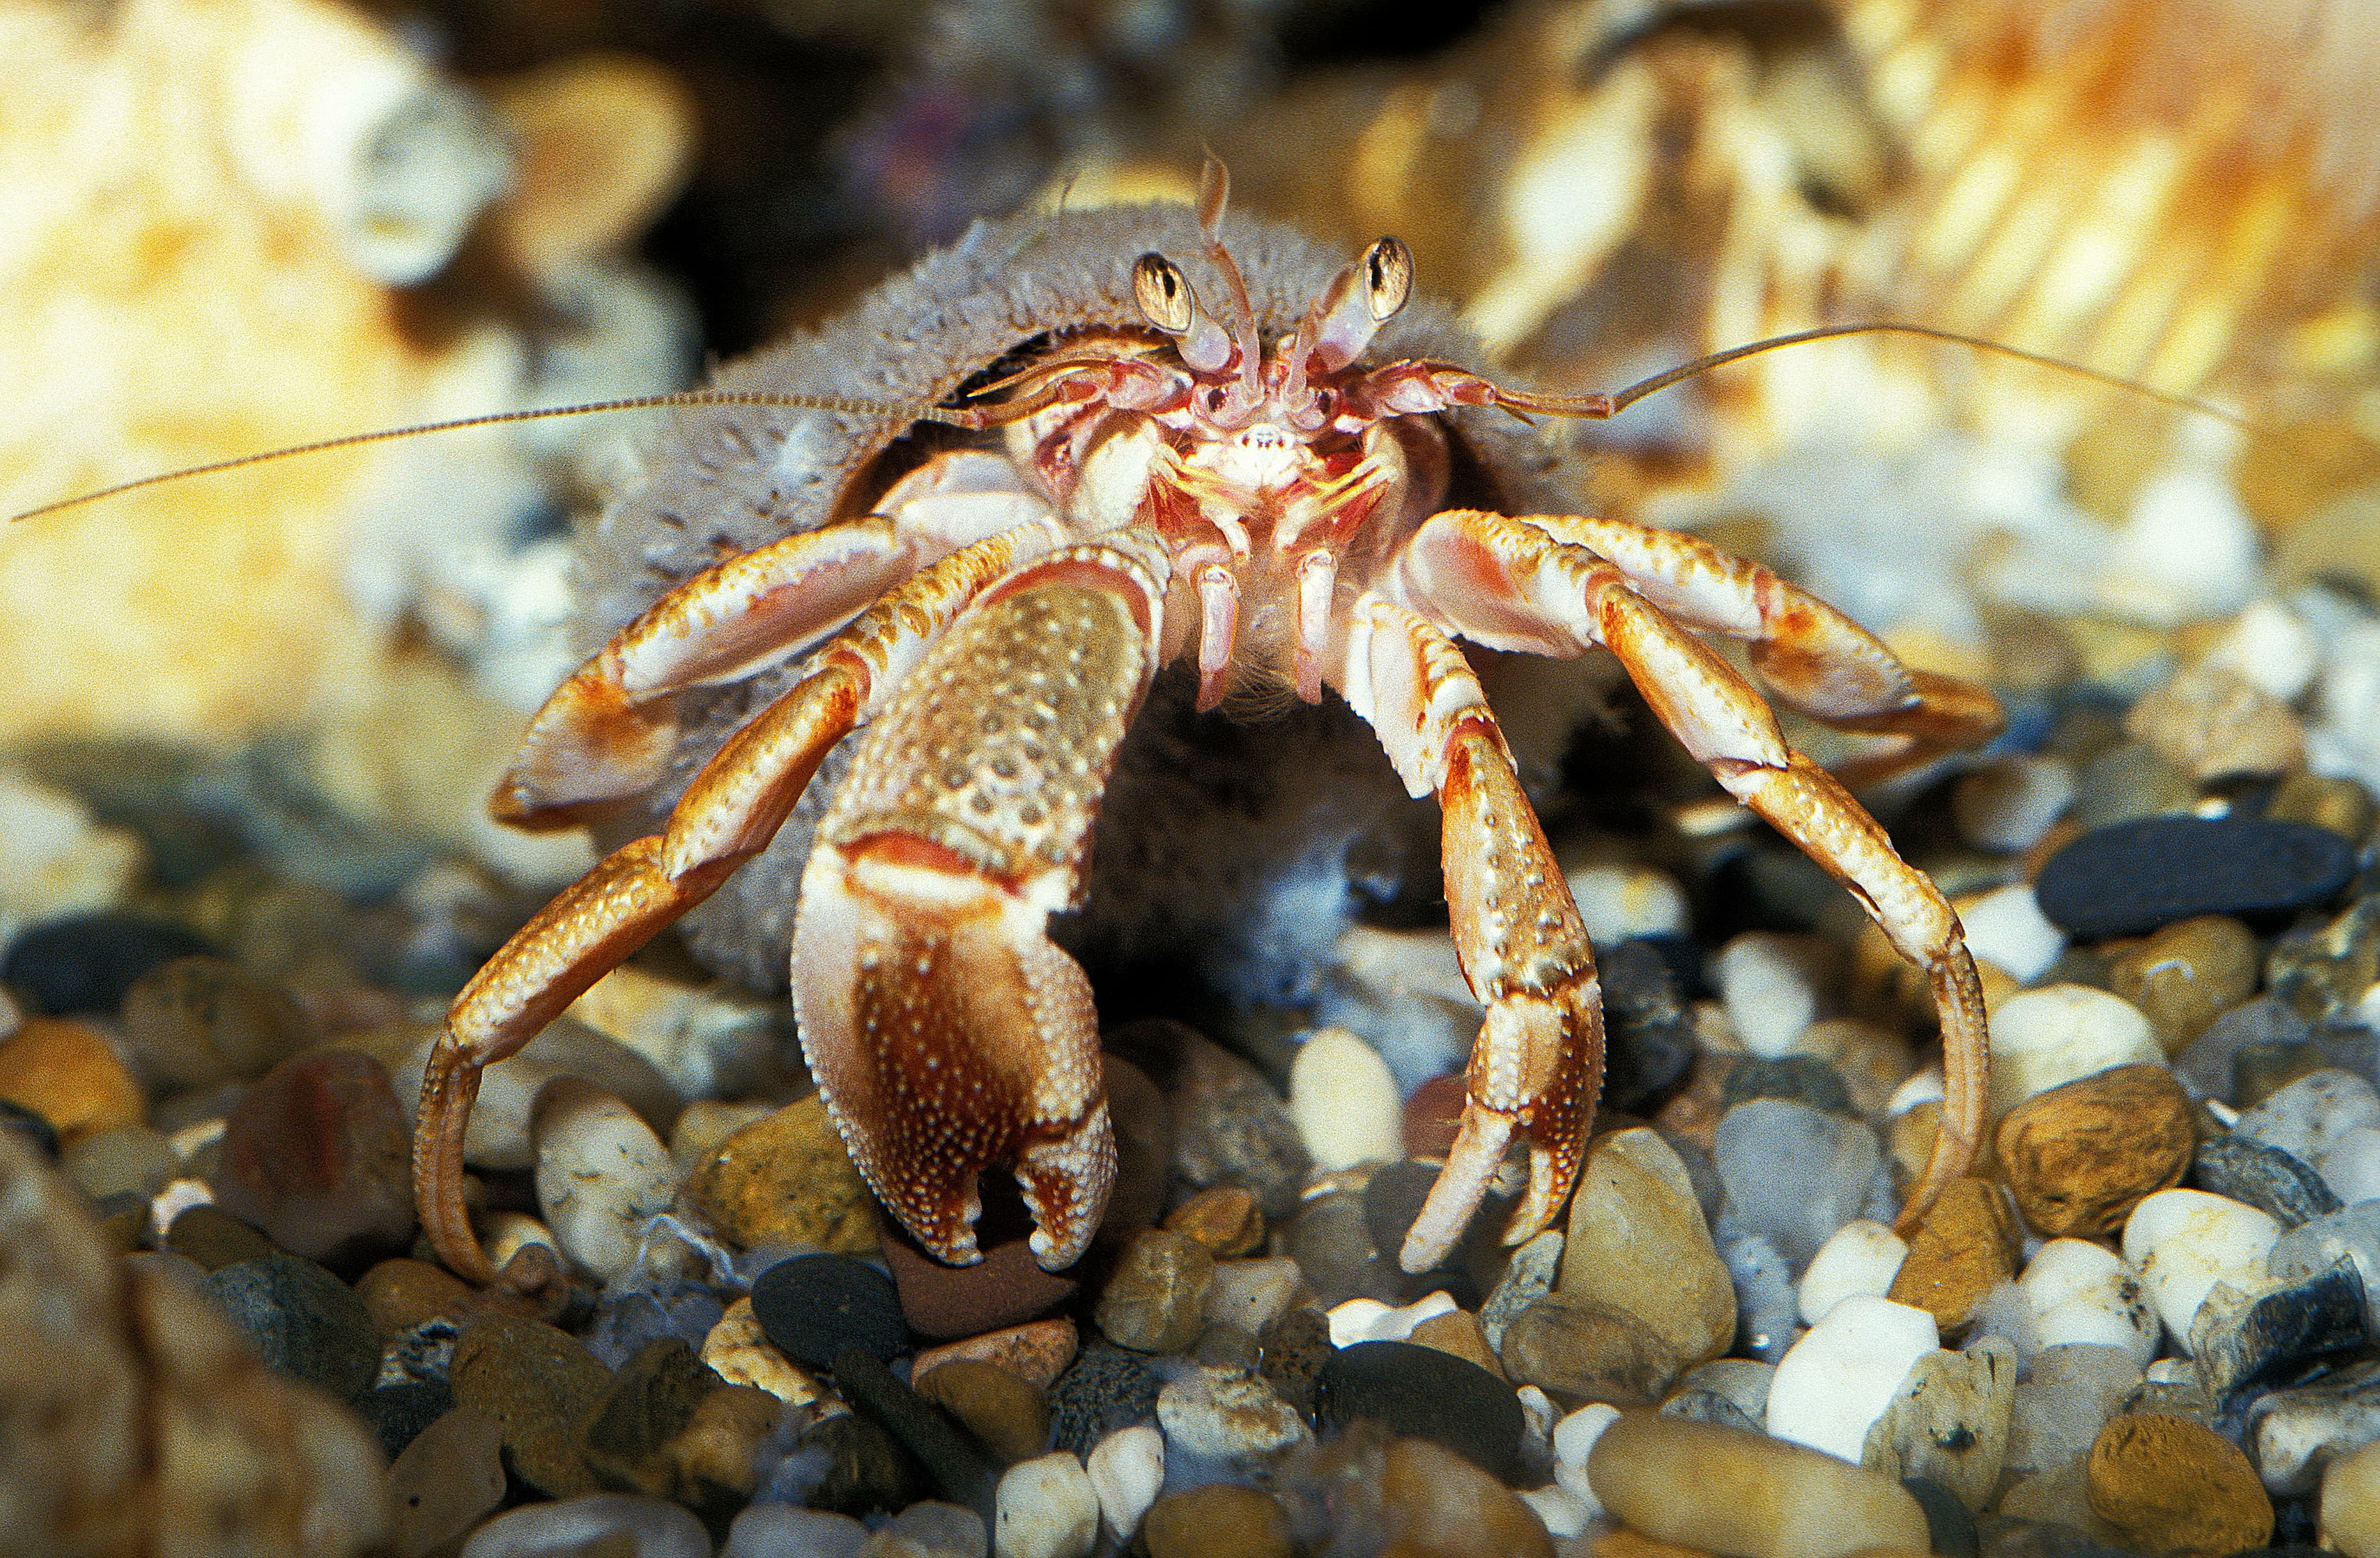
[[1538, 1062], [947, 1032], [727, 815], [605, 733], [1503, 579]]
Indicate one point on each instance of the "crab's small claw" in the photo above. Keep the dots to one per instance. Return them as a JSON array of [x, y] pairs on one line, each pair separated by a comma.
[[1534, 1070]]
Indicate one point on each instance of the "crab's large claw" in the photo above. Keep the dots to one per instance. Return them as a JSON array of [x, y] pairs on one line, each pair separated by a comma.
[[949, 1034], [946, 1031]]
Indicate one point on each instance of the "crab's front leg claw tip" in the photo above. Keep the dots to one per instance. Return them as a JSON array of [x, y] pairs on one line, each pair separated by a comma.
[[1535, 1073], [1066, 1179]]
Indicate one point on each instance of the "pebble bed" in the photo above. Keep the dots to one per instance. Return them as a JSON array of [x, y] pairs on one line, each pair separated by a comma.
[[2149, 1323]]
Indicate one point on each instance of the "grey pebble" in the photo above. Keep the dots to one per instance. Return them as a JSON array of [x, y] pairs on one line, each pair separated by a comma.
[[2262, 1175], [302, 1320]]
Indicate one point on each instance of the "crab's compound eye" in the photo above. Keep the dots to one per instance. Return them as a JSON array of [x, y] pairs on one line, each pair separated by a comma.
[[1387, 277], [1164, 294]]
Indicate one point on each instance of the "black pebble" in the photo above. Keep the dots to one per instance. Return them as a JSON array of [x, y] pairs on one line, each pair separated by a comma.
[[2132, 877], [1426, 1393], [302, 1320], [398, 1413], [1949, 1529], [1649, 1037], [86, 962], [2264, 1176], [814, 1305], [1797, 1079], [31, 1126], [958, 1471], [1103, 1390]]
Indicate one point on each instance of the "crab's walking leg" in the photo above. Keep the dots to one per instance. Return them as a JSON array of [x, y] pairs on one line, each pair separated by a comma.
[[1809, 655], [1509, 582], [727, 815], [1538, 1060], [604, 734], [946, 1030]]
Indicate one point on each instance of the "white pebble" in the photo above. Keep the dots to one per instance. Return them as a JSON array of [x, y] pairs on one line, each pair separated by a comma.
[[602, 1173], [2270, 645], [2043, 1039], [1573, 1437], [1046, 1508], [2312, 1114], [1344, 1101], [59, 859], [1126, 1469], [2008, 929], [621, 1523], [1618, 902], [2352, 1166], [2077, 1291], [1864, 1255], [2183, 1241], [2007, 805], [1538, 1415], [1252, 1294], [2350, 1503], [1925, 1085], [1368, 1319], [1772, 986], [1558, 1509], [1835, 1381]]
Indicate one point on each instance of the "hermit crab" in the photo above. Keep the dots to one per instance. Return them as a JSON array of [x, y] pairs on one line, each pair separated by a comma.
[[940, 552]]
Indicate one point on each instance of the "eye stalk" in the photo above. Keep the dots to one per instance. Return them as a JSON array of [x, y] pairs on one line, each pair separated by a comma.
[[1170, 305], [1360, 300]]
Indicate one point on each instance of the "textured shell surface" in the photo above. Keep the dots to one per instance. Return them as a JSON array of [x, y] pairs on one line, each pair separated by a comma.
[[1226, 834]]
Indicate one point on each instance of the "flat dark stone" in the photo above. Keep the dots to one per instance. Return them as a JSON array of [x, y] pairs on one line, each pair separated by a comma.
[[2313, 1317], [303, 1322], [814, 1305], [1950, 1527], [2264, 1176], [1103, 1390], [86, 962], [1426, 1393], [959, 1471], [2131, 878]]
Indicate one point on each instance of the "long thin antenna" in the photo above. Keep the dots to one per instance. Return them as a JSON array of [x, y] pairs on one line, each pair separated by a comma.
[[1598, 406], [886, 410]]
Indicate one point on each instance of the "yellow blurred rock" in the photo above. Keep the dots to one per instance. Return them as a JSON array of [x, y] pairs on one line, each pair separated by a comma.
[[1966, 1247], [2169, 1485], [785, 1181], [65, 1071]]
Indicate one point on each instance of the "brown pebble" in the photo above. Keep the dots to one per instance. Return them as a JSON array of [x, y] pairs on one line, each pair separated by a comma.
[[65, 1071], [1583, 1351], [715, 1459], [1037, 1353], [1007, 1287], [1011, 1416], [1225, 1218], [194, 1022], [1433, 1114], [1436, 1504], [2340, 805], [1967, 1246], [2212, 723], [214, 1238], [2082, 1156], [448, 1479], [1458, 1331], [786, 1182], [319, 1154], [541, 1385], [402, 1293], [1637, 1242], [1725, 1490], [1220, 1521], [1692, 1111], [2173, 1486], [1156, 1300], [2186, 975]]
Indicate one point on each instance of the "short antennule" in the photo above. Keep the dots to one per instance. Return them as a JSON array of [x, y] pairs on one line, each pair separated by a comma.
[[1214, 194]]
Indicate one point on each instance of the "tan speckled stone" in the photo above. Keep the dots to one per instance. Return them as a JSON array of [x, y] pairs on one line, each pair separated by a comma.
[[1966, 1247]]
